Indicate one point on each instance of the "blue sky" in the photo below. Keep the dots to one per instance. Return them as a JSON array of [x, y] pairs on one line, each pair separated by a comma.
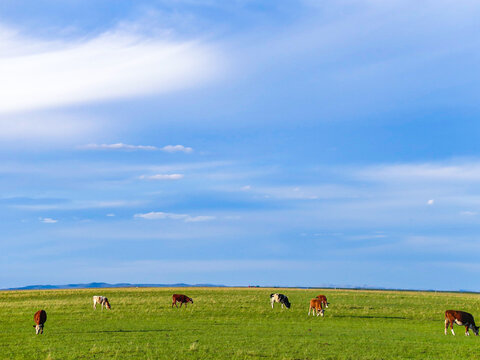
[[300, 142]]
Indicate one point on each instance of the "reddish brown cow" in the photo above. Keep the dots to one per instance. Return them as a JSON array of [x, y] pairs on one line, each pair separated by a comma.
[[182, 299], [323, 300], [40, 317], [316, 305], [461, 318]]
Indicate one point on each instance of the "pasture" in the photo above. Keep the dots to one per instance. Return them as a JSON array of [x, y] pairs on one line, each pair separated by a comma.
[[234, 323]]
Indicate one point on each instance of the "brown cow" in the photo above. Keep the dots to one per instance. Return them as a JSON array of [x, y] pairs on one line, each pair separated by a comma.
[[316, 305], [324, 301], [40, 317], [182, 299], [461, 318]]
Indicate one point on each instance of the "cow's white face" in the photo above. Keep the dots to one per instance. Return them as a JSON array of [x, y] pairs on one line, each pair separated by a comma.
[[38, 329]]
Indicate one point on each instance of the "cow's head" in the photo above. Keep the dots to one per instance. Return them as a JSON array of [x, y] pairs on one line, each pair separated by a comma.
[[326, 304], [190, 300], [287, 304], [475, 329], [107, 305], [38, 329]]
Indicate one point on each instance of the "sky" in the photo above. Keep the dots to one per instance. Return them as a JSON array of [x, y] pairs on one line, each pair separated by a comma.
[[241, 142]]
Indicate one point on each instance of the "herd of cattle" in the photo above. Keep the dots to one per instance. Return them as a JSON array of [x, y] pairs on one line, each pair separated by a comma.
[[317, 307]]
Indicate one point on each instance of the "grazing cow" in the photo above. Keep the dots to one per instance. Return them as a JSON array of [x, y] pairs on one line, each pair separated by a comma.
[[102, 300], [182, 299], [461, 318], [316, 305], [323, 300], [40, 317], [279, 298]]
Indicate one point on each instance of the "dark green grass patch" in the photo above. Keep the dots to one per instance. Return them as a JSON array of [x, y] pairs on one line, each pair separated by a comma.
[[234, 324]]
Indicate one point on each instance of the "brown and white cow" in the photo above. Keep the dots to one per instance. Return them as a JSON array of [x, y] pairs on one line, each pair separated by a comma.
[[461, 318], [102, 300], [40, 317], [316, 305], [324, 301], [182, 299]]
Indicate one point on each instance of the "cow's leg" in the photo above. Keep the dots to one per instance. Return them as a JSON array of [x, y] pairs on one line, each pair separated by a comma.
[[271, 302], [282, 305], [310, 308], [466, 331], [446, 326], [451, 326]]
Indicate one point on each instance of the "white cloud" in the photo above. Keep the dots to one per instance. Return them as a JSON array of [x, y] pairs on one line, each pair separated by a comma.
[[162, 177], [48, 220], [79, 205], [171, 216], [122, 146], [110, 215], [199, 218], [468, 213], [430, 202], [458, 171], [116, 64], [177, 148], [118, 146]]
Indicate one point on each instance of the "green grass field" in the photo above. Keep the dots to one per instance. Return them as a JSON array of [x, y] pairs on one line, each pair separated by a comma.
[[234, 324]]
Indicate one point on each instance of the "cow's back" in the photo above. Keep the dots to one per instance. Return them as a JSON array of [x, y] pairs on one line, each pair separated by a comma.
[[460, 316], [179, 297], [40, 317]]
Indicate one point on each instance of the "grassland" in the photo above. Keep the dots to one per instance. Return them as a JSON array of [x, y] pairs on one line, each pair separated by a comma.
[[234, 324]]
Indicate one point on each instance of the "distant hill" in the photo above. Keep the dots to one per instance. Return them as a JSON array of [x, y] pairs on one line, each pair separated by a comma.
[[96, 285], [99, 285]]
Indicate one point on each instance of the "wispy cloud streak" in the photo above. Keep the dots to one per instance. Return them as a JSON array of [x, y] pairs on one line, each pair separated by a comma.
[[171, 216], [162, 177], [117, 64], [122, 146]]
